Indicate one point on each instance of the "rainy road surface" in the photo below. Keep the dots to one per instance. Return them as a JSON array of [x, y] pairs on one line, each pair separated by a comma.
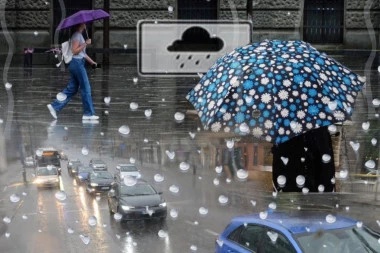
[[39, 222]]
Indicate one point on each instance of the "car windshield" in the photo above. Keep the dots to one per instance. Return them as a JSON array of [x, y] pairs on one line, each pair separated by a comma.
[[84, 169], [47, 171], [348, 240], [101, 175], [137, 190], [128, 168], [46, 160]]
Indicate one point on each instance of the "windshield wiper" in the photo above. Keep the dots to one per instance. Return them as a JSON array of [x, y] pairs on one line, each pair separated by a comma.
[[367, 247]]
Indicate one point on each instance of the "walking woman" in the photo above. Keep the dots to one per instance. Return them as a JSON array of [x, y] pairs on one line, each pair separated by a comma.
[[78, 77]]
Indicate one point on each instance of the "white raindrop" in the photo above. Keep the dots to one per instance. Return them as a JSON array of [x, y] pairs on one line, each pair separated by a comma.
[[117, 216], [326, 158], [61, 97], [216, 182], [242, 174], [39, 152], [223, 200], [134, 106], [330, 218], [118, 236], [162, 234], [7, 220], [374, 141], [92, 221], [281, 180], [70, 231], [203, 211], [14, 198], [359, 224], [60, 195], [125, 46], [173, 213], [230, 144], [159, 178], [244, 128], [370, 164], [218, 169], [35, 33], [174, 189], [285, 160], [321, 188], [170, 154], [272, 205], [343, 174], [332, 129], [193, 248], [184, 166], [305, 190], [124, 129], [170, 9], [253, 202], [192, 135], [107, 100], [366, 125], [273, 236], [355, 145], [135, 79], [263, 215], [179, 116], [148, 113], [85, 239], [300, 179], [130, 181], [7, 234], [228, 180], [84, 151], [8, 86], [132, 160], [24, 217], [376, 102]]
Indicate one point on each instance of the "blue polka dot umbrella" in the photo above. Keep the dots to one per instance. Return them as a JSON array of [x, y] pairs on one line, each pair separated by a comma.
[[275, 90]]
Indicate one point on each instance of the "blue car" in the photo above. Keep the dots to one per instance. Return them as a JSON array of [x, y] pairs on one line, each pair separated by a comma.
[[295, 233], [82, 174]]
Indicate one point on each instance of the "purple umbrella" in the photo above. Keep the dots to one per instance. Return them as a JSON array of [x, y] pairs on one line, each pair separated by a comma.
[[82, 17]]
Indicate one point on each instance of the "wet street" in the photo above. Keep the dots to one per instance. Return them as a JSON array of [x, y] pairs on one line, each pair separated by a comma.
[[39, 222]]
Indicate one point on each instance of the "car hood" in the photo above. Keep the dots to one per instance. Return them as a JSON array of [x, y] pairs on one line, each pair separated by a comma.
[[47, 178], [102, 181], [140, 201]]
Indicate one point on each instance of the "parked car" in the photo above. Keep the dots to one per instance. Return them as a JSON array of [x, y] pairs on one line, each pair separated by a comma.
[[124, 170], [47, 177], [98, 164], [99, 181], [82, 174], [29, 162], [300, 232], [72, 167], [140, 201]]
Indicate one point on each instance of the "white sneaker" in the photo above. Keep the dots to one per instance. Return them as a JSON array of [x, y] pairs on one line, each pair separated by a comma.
[[52, 111], [92, 117]]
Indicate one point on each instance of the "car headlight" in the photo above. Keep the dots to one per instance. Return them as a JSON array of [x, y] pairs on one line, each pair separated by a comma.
[[126, 208], [37, 181], [94, 184], [94, 166], [139, 176], [163, 204]]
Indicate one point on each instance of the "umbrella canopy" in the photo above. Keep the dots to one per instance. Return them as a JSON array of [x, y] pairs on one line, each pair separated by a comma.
[[82, 17], [275, 90]]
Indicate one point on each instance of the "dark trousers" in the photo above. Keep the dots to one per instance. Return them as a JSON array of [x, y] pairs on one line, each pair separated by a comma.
[[304, 154]]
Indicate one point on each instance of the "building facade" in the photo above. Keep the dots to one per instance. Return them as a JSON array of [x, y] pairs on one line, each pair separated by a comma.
[[340, 23]]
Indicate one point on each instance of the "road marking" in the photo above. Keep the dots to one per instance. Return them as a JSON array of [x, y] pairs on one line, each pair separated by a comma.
[[211, 232]]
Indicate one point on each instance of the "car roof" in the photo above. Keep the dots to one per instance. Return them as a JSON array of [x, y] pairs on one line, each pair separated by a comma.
[[297, 223], [48, 149]]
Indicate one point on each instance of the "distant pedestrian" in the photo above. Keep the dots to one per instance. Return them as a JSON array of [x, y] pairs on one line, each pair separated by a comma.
[[305, 161], [78, 77]]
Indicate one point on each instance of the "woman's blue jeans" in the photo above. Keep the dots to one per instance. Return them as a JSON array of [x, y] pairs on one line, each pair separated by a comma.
[[78, 80]]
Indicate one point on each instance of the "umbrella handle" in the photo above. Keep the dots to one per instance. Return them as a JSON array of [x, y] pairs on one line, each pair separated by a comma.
[[86, 33]]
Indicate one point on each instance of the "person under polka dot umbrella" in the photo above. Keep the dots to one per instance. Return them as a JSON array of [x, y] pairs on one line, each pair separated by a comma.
[[275, 90]]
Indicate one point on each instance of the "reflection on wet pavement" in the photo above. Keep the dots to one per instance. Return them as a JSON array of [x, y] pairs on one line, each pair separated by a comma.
[[163, 136]]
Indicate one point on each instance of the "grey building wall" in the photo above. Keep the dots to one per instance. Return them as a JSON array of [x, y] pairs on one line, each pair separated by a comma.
[[271, 19]]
